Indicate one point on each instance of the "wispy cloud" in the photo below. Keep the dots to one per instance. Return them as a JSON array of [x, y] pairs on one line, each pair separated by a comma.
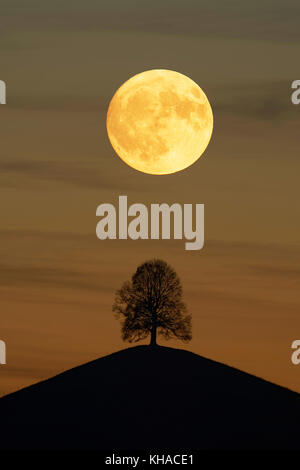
[[58, 277], [260, 100], [263, 19], [78, 174]]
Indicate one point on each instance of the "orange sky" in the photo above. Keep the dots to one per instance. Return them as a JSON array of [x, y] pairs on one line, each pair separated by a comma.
[[57, 279]]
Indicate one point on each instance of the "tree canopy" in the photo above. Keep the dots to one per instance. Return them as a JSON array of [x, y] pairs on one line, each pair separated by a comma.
[[151, 303]]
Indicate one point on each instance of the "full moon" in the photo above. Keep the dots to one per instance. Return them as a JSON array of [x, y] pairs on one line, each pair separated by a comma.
[[159, 122]]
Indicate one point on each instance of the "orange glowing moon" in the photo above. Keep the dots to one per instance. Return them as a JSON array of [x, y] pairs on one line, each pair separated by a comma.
[[159, 122]]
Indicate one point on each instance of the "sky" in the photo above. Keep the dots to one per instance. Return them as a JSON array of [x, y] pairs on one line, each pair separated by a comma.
[[62, 62]]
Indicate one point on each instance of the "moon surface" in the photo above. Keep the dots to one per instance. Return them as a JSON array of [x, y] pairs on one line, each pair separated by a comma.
[[159, 122]]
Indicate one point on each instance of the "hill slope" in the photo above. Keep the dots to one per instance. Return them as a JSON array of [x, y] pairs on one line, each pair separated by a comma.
[[151, 399]]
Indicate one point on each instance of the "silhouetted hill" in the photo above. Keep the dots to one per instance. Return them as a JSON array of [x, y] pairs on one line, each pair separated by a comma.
[[147, 398]]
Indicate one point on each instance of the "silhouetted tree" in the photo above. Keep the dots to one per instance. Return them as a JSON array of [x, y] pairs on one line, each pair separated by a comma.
[[152, 303]]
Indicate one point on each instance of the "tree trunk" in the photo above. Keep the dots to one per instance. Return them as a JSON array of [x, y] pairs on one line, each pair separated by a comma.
[[153, 330]]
